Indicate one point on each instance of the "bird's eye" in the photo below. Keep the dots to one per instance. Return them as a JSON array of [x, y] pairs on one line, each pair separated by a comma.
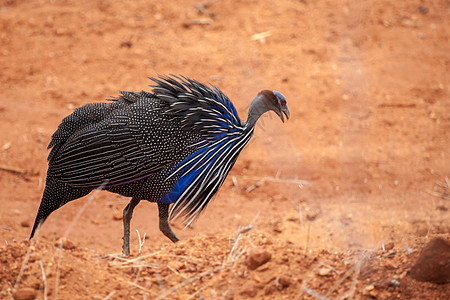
[[283, 102]]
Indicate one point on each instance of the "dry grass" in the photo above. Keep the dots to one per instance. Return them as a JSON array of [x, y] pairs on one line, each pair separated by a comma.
[[66, 234], [44, 279]]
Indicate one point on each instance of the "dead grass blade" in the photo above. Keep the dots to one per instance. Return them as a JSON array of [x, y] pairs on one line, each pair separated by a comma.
[[24, 264], [66, 233], [13, 170], [438, 195], [188, 281], [315, 294], [141, 242], [309, 291], [138, 286], [197, 292], [5, 227], [44, 279], [396, 105], [298, 182], [109, 295], [355, 269]]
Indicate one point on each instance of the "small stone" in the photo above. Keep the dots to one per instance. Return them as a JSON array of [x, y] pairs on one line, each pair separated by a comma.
[[422, 9], [25, 294], [312, 214], [442, 207], [65, 243], [283, 282], [324, 272], [433, 264], [95, 222], [389, 246], [390, 265], [117, 216], [176, 265], [228, 296], [370, 287], [373, 294], [248, 289], [394, 283], [269, 289], [257, 258], [25, 224]]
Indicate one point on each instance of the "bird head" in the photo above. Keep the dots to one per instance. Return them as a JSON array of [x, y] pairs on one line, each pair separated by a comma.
[[276, 102]]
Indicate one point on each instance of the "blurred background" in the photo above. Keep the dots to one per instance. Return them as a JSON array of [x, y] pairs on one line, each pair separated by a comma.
[[363, 161]]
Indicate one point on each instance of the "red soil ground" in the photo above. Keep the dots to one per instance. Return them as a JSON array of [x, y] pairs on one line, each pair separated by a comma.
[[368, 86]]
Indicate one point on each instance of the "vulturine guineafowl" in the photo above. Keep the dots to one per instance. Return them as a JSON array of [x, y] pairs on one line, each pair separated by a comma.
[[175, 146]]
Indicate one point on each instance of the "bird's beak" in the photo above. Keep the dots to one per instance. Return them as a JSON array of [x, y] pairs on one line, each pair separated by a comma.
[[285, 111]]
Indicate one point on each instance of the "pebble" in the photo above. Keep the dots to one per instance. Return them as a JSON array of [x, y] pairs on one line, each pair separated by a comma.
[[370, 287], [394, 283], [176, 265], [249, 289], [270, 289], [283, 282], [373, 294], [257, 258], [324, 272], [312, 214], [257, 278], [117, 216], [66, 244], [389, 246], [25, 224], [25, 294]]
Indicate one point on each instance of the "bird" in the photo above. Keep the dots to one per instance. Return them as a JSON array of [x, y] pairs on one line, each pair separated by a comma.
[[174, 146]]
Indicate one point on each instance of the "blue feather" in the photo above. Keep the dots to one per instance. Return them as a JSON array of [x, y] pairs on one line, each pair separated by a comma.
[[208, 112]]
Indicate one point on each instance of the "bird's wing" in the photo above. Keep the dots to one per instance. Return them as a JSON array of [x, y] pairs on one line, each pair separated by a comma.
[[110, 151], [92, 113], [202, 109], [202, 173], [210, 113]]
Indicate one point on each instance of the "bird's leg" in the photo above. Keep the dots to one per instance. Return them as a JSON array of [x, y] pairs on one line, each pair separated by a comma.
[[164, 222], [127, 214]]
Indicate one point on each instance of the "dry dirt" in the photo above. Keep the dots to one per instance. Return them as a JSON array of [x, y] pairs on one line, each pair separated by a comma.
[[344, 196]]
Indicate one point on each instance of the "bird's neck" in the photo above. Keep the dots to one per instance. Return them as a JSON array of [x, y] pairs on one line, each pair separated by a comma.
[[257, 108]]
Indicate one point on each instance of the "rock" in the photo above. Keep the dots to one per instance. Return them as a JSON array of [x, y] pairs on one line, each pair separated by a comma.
[[389, 246], [66, 244], [16, 252], [422, 9], [25, 224], [257, 258], [176, 265], [373, 294], [229, 295], [324, 272], [283, 282], [25, 294], [248, 289], [312, 213], [394, 283], [369, 287], [433, 264], [270, 289], [117, 216]]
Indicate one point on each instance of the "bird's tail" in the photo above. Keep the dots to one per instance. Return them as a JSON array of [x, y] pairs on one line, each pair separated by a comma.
[[56, 194]]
